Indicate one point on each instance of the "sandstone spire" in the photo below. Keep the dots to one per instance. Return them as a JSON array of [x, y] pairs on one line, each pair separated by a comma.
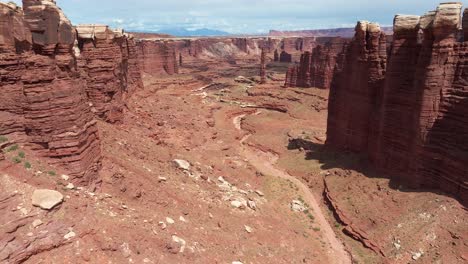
[[263, 67]]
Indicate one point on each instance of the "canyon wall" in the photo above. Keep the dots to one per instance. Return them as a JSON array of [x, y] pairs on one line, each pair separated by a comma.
[[43, 96], [317, 68], [109, 65], [157, 56], [408, 114], [56, 79]]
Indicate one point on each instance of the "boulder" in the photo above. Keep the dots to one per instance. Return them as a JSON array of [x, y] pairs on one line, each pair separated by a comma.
[[46, 199]]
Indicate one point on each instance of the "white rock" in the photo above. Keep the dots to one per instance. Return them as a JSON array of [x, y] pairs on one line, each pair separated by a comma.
[[37, 222], [65, 177], [181, 218], [46, 199], [397, 244], [248, 229], [70, 235], [298, 206], [179, 241], [162, 179], [162, 225], [252, 205], [417, 255], [70, 186], [237, 262], [236, 204], [170, 220], [30, 234], [182, 164]]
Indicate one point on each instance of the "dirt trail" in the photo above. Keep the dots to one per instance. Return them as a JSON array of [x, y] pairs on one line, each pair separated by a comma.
[[264, 162]]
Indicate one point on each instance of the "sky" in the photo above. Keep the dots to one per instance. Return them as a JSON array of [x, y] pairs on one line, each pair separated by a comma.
[[239, 16]]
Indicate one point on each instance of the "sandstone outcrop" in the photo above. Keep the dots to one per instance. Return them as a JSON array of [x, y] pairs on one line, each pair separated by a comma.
[[317, 69], [285, 57], [263, 67], [43, 97], [108, 61], [158, 57], [409, 115]]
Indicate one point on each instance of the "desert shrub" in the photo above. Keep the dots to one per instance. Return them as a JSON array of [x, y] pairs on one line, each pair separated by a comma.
[[16, 160], [12, 148], [27, 165]]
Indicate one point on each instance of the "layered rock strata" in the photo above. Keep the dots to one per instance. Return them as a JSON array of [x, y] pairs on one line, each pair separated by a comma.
[[44, 98], [317, 69], [108, 61], [409, 117], [158, 57]]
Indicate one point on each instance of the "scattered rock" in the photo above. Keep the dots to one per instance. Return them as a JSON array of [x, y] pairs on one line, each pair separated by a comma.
[[69, 235], [259, 193], [237, 262], [417, 255], [46, 199], [162, 179], [298, 206], [37, 222], [242, 79], [180, 242], [170, 220], [162, 225], [70, 186], [65, 177], [126, 250], [182, 219], [248, 229], [397, 244], [252, 205], [182, 164]]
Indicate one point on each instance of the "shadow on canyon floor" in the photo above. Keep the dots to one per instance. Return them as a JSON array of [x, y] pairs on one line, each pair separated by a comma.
[[334, 159]]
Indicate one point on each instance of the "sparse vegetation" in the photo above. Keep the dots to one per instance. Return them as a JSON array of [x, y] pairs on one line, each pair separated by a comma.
[[12, 148], [27, 165], [3, 139], [52, 173], [16, 160], [21, 154], [316, 229]]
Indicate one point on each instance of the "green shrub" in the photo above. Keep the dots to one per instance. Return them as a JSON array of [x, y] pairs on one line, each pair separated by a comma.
[[27, 165], [52, 173], [12, 148], [21, 154], [17, 160], [3, 139]]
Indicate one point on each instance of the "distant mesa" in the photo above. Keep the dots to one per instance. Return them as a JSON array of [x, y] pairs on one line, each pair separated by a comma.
[[333, 32], [182, 32]]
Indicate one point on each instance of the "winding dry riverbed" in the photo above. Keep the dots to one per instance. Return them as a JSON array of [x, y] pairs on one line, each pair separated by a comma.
[[265, 163]]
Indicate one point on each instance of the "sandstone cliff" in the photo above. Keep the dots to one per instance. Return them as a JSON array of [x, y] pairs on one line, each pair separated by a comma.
[[157, 57], [409, 117], [317, 69], [108, 62], [45, 99]]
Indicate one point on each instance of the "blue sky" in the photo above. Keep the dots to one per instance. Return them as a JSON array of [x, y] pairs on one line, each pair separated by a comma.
[[239, 16]]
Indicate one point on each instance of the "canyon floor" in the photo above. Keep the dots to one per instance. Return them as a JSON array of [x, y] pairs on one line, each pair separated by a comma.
[[260, 188]]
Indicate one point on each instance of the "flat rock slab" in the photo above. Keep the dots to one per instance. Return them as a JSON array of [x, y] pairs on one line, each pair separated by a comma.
[[182, 164], [46, 199]]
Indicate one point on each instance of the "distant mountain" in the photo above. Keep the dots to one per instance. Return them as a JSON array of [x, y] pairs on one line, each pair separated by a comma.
[[183, 32], [333, 32]]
